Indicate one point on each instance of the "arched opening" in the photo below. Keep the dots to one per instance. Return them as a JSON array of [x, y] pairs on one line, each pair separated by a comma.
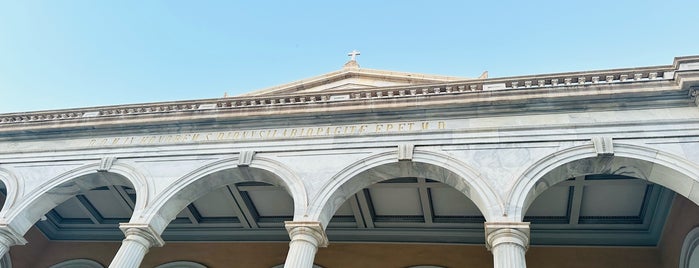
[[432, 198], [98, 200], [600, 210], [225, 202], [178, 205], [627, 201], [243, 211], [408, 209]]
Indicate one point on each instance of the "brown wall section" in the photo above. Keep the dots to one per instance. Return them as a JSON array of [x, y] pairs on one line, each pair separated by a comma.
[[339, 255]]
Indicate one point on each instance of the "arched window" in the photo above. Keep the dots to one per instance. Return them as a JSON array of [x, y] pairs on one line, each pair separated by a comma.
[[78, 263], [689, 257], [181, 264]]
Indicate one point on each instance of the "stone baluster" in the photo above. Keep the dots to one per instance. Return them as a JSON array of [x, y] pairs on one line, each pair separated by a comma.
[[9, 238], [139, 239], [306, 237], [508, 241]]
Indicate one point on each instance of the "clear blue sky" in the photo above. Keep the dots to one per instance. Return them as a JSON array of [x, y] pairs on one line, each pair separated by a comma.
[[66, 54]]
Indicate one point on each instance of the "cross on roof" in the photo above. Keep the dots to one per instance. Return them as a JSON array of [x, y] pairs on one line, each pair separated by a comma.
[[353, 54]]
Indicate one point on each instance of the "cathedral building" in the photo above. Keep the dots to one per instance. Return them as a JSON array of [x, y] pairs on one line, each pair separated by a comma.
[[366, 168]]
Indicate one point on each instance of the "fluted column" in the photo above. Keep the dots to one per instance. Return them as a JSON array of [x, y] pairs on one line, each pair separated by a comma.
[[139, 239], [306, 237], [508, 241], [8, 238]]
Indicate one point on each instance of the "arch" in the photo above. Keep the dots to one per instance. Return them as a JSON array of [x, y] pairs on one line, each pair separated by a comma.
[[384, 166], [62, 187], [78, 263], [13, 186], [670, 171], [689, 255], [181, 264], [188, 188]]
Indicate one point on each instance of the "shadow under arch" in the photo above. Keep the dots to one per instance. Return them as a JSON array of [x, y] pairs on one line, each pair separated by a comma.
[[662, 168], [61, 188], [218, 174], [385, 166]]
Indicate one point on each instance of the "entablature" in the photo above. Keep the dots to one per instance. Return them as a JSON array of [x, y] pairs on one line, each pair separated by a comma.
[[634, 88]]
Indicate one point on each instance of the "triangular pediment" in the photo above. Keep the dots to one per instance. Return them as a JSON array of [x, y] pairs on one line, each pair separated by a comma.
[[353, 77]]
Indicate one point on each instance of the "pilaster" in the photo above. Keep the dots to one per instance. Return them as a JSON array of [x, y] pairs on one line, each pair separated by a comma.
[[139, 239], [306, 237], [508, 241]]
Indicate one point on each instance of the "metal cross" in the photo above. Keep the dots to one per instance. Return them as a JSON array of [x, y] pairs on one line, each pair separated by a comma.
[[353, 54]]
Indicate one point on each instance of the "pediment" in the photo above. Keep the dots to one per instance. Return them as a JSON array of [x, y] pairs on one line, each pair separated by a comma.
[[353, 77]]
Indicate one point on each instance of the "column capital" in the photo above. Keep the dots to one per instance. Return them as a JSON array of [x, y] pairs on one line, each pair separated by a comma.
[[150, 238], [497, 233], [307, 230], [10, 237]]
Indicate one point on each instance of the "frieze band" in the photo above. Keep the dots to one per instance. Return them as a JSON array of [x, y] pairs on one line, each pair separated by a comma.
[[267, 134]]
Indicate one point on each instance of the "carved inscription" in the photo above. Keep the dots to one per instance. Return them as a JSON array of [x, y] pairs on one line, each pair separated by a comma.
[[268, 134]]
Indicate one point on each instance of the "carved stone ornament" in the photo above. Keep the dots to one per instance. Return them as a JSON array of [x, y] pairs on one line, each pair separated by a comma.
[[603, 146], [106, 163], [245, 158], [405, 152]]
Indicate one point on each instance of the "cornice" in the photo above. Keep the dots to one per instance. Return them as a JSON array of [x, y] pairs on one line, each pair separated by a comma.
[[496, 91]]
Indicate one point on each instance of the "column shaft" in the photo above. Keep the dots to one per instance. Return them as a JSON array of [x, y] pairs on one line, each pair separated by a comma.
[[131, 252], [306, 237], [509, 256], [301, 254], [139, 239]]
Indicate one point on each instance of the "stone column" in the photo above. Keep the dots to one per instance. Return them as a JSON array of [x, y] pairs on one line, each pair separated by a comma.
[[508, 241], [306, 237], [139, 238], [8, 238]]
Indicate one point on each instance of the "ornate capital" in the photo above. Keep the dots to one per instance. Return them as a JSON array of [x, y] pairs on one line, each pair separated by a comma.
[[497, 233], [142, 233], [10, 237], [311, 231]]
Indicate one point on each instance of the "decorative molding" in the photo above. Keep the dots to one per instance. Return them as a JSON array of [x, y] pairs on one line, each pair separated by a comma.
[[405, 152], [604, 146], [245, 158], [106, 163], [144, 231], [312, 229]]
